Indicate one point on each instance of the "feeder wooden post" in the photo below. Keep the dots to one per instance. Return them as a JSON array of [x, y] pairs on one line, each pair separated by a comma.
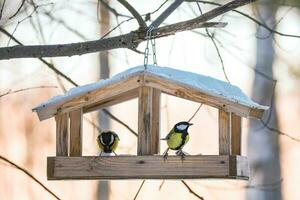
[[236, 130], [62, 134], [148, 121], [224, 132], [229, 133], [76, 132]]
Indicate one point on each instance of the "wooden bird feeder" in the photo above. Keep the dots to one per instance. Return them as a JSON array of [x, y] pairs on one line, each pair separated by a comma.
[[147, 85]]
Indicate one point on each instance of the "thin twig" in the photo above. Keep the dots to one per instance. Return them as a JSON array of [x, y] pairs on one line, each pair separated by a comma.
[[119, 121], [135, 14], [18, 10], [279, 131], [216, 47], [191, 190], [136, 195], [30, 175], [195, 113], [25, 89], [1, 10], [249, 17]]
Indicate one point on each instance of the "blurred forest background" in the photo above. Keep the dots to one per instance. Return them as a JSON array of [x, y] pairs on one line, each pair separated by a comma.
[[258, 51]]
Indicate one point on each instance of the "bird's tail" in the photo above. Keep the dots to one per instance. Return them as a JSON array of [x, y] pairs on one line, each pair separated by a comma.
[[163, 138]]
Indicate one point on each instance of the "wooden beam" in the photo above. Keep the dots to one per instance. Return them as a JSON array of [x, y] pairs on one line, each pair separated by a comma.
[[76, 132], [62, 134], [112, 101], [87, 98], [236, 136], [224, 133], [148, 121], [186, 92], [147, 167]]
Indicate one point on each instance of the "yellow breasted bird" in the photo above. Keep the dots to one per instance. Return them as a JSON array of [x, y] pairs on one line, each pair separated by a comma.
[[108, 141], [177, 138]]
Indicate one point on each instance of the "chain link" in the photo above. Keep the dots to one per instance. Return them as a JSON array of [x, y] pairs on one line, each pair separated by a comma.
[[146, 53]]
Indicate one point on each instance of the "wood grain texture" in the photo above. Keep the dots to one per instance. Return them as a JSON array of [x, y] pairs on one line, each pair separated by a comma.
[[62, 134], [148, 121], [236, 134], [224, 133], [76, 132], [147, 167], [112, 101], [187, 92], [85, 99]]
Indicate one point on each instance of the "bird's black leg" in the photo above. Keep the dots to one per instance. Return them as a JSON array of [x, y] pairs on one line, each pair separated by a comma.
[[115, 153], [100, 153], [165, 154], [181, 153]]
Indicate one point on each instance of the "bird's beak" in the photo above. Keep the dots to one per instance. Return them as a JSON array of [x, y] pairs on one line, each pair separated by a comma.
[[190, 124]]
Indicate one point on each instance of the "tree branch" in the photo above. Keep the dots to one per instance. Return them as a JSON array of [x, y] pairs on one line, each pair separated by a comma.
[[191, 190], [30, 175], [249, 17], [134, 13], [129, 40], [25, 89], [166, 13]]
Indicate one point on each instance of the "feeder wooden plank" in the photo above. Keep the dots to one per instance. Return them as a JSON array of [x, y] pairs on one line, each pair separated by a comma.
[[62, 133], [148, 121], [87, 98], [112, 101], [147, 167], [224, 133], [76, 132], [236, 137], [186, 92]]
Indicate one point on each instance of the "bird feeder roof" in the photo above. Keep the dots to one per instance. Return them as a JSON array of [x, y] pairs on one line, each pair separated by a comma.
[[124, 86]]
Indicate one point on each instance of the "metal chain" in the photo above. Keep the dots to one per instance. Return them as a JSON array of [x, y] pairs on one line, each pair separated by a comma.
[[146, 53], [154, 52]]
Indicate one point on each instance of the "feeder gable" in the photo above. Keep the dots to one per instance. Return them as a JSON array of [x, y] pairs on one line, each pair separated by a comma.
[[125, 86]]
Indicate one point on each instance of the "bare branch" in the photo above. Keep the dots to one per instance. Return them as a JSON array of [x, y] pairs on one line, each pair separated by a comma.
[[135, 14], [2, 7], [191, 190], [130, 40], [65, 25], [51, 66], [266, 125], [249, 17], [30, 175], [136, 195], [18, 10], [211, 36], [25, 89], [166, 13], [109, 114]]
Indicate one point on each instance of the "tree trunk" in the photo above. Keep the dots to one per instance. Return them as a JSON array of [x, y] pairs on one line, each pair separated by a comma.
[[263, 147], [104, 123]]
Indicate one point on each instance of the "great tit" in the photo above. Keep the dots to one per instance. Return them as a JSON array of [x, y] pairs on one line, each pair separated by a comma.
[[177, 138], [108, 142]]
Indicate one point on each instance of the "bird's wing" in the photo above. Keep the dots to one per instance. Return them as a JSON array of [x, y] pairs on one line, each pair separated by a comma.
[[169, 135]]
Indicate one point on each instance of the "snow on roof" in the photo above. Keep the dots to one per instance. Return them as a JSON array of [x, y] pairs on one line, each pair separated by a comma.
[[202, 83]]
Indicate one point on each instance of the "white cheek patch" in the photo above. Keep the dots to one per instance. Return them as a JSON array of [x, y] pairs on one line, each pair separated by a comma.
[[182, 127], [111, 139], [101, 140]]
